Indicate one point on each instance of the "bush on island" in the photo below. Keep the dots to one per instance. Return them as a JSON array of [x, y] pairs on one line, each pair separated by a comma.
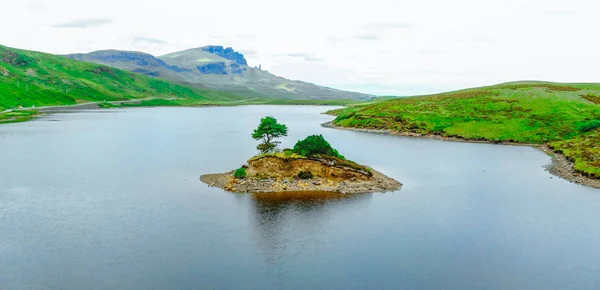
[[240, 173], [315, 145]]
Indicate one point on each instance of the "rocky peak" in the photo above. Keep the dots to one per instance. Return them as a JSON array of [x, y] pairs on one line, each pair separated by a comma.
[[227, 53]]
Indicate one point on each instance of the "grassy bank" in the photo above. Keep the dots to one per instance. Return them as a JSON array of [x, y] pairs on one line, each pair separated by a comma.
[[17, 116], [564, 116]]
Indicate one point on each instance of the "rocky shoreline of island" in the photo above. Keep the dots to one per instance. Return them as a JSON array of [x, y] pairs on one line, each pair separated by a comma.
[[377, 182]]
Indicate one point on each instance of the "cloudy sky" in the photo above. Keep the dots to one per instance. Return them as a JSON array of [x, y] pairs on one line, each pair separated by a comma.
[[394, 47]]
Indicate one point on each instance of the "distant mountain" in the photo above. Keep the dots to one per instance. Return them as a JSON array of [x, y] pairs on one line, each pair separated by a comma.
[[29, 78], [215, 67]]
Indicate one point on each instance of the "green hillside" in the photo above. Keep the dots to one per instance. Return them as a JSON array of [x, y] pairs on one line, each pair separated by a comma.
[[30, 78], [565, 116]]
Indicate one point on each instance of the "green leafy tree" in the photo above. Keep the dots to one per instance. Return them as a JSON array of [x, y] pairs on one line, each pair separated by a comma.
[[267, 131]]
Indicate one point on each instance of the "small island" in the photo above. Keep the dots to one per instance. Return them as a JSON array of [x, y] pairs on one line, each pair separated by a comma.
[[312, 165]]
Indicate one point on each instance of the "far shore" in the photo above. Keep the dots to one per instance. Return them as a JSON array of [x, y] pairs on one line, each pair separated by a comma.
[[560, 165], [137, 104]]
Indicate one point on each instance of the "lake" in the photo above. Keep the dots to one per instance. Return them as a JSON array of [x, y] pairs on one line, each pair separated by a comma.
[[111, 199]]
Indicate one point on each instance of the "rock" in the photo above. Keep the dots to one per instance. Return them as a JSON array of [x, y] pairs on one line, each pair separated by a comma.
[[227, 53], [218, 68]]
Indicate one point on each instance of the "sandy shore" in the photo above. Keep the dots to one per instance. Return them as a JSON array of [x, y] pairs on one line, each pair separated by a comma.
[[560, 165]]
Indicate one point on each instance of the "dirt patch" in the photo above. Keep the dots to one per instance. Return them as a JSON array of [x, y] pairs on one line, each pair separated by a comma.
[[31, 72], [274, 167], [592, 98]]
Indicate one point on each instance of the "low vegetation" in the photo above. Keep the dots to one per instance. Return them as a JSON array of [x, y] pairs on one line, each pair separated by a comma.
[[240, 173], [565, 115], [305, 175]]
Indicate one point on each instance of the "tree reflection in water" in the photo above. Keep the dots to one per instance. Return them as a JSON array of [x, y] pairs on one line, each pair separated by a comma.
[[285, 223]]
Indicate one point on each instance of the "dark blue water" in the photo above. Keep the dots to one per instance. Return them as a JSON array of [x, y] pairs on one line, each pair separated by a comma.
[[112, 200]]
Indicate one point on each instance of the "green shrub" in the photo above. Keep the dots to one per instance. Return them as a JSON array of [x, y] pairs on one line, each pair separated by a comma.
[[305, 175], [589, 126], [240, 173], [315, 145]]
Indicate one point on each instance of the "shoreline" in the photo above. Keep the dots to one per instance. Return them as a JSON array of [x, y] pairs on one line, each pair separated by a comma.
[[560, 166]]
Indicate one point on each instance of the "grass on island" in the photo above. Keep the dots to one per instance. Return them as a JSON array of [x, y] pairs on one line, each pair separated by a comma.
[[523, 112]]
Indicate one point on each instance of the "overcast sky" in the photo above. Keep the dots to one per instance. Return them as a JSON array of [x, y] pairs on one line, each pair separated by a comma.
[[376, 46]]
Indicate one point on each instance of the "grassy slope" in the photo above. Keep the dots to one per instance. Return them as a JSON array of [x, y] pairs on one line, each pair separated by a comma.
[[525, 112], [30, 78]]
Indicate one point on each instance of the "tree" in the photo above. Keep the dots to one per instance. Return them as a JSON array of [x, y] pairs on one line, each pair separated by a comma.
[[267, 130]]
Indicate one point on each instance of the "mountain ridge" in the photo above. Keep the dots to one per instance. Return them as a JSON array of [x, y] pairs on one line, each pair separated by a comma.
[[216, 67]]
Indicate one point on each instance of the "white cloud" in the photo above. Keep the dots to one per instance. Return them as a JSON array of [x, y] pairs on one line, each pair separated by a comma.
[[83, 23], [377, 46]]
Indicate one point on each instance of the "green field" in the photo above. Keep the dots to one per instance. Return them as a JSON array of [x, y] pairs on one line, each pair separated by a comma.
[[565, 116], [30, 78]]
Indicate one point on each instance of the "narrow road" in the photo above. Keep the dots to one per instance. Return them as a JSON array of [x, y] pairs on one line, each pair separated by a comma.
[[246, 100]]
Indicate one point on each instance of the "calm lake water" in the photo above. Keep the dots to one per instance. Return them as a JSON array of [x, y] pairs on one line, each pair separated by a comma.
[[112, 200]]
